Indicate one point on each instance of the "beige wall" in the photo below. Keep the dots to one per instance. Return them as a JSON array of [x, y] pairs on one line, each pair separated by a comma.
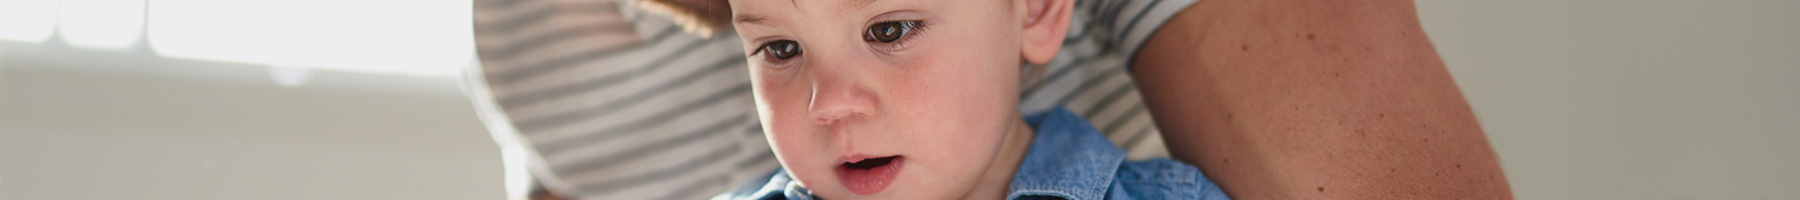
[[1632, 99]]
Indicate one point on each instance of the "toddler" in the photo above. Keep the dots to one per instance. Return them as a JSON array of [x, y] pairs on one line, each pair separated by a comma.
[[918, 99]]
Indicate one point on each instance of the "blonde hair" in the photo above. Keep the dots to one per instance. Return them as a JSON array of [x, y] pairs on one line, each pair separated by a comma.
[[700, 17]]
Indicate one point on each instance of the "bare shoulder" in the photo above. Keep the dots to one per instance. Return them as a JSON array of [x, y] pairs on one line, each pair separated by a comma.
[[1285, 99]]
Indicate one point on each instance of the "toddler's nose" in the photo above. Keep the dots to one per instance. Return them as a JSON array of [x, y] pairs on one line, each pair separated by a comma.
[[839, 95]]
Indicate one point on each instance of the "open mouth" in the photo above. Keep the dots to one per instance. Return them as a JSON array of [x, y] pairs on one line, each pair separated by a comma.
[[870, 175], [870, 163]]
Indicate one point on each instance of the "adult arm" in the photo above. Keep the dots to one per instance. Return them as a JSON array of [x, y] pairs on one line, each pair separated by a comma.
[[1291, 99]]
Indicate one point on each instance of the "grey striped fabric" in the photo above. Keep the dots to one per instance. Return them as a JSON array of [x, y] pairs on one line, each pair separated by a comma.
[[605, 102]]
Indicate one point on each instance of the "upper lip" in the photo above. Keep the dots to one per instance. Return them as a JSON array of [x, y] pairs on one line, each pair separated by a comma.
[[859, 158]]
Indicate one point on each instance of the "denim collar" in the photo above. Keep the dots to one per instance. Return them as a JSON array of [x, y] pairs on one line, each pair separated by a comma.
[[1068, 158]]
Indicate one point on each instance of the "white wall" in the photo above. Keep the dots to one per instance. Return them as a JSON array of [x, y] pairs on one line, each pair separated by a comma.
[[1632, 99]]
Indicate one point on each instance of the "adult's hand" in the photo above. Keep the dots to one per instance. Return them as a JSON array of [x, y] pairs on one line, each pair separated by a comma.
[[1291, 99]]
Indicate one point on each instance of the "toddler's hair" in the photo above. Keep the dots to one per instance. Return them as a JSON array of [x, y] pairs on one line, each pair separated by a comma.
[[700, 17]]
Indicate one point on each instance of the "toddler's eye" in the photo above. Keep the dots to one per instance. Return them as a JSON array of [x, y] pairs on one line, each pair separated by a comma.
[[781, 50], [888, 32]]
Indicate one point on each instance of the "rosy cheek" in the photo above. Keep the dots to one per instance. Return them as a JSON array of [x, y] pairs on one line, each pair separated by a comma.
[[778, 98], [783, 106], [786, 103]]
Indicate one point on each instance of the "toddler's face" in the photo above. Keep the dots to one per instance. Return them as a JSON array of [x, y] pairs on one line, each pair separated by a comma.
[[896, 99]]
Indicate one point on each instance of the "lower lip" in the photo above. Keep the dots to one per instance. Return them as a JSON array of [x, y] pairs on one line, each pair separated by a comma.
[[872, 180]]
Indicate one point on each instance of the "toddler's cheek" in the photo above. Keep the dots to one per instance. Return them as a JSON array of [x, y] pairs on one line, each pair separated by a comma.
[[798, 156]]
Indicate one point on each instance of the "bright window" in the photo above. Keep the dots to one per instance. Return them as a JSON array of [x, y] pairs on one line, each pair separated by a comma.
[[411, 37], [27, 20], [101, 23]]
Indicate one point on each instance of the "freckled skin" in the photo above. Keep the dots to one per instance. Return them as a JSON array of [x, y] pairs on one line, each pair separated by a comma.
[[1271, 100]]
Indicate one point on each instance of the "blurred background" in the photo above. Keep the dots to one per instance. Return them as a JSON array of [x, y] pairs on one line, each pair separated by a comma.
[[171, 99], [339, 99]]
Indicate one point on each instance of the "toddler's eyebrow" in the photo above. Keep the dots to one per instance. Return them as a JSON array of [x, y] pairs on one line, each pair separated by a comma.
[[857, 4], [759, 20], [751, 19]]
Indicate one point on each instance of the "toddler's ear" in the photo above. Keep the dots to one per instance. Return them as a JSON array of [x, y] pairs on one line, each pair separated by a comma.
[[701, 17], [1045, 22]]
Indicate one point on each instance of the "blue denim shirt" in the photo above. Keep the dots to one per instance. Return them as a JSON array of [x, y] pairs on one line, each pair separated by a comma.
[[1068, 159]]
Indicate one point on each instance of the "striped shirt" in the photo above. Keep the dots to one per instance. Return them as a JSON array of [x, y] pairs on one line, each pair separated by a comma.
[[601, 101]]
